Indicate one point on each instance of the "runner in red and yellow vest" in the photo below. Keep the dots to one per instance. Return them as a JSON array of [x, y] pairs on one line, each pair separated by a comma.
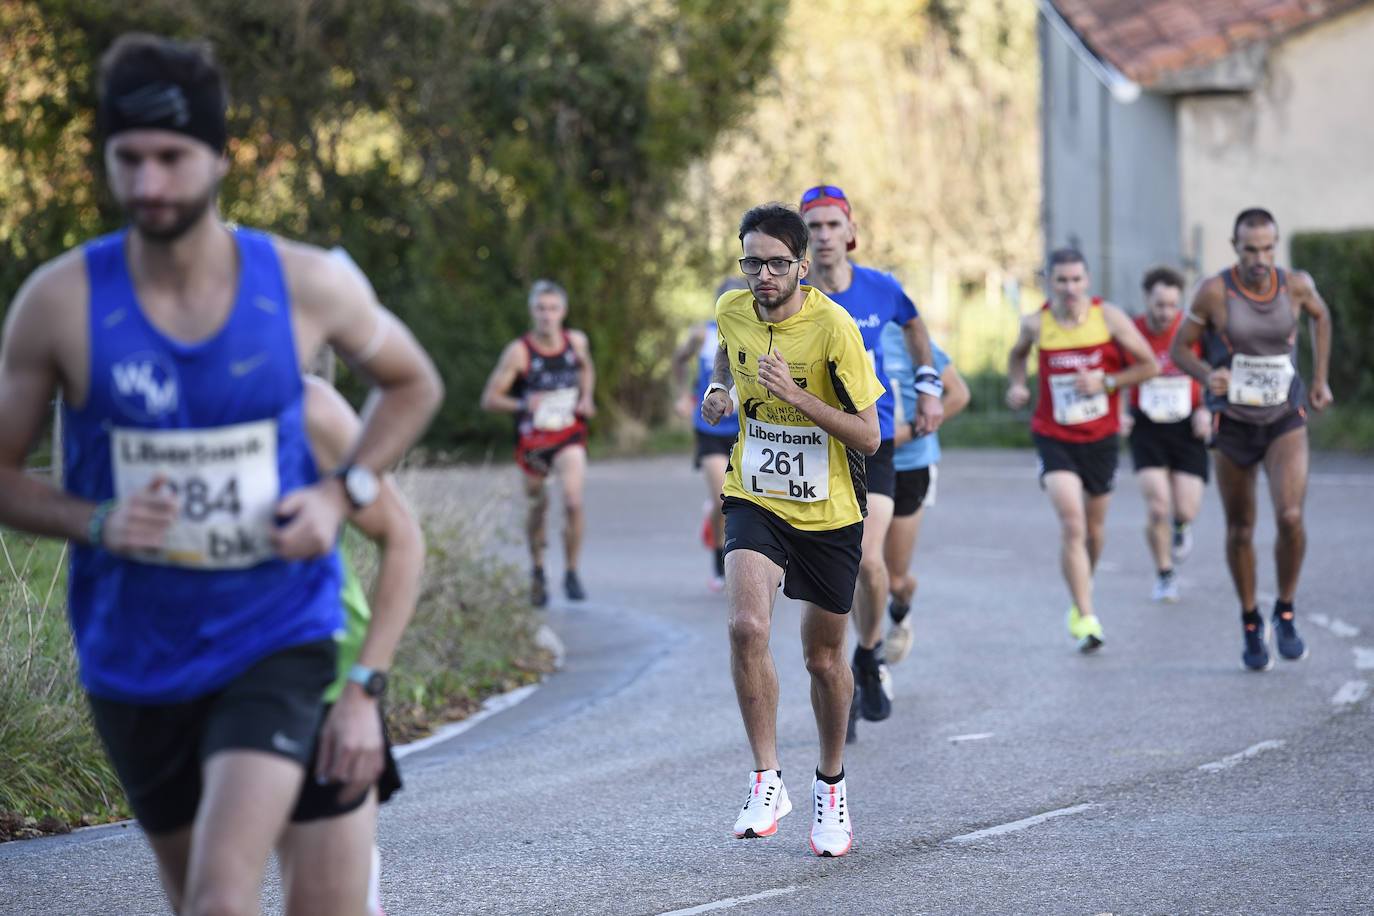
[[1063, 411], [1075, 423], [1172, 395]]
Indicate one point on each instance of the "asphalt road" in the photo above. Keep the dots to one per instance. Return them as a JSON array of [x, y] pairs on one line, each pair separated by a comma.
[[1015, 776]]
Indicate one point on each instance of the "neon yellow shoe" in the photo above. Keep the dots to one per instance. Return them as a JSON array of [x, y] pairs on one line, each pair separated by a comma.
[[1087, 630]]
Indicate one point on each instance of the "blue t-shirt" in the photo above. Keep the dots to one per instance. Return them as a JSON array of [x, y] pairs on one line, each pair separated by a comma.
[[222, 420], [876, 300], [728, 427], [922, 451]]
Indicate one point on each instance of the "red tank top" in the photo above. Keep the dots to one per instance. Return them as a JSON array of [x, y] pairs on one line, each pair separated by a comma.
[[1061, 412], [1163, 394]]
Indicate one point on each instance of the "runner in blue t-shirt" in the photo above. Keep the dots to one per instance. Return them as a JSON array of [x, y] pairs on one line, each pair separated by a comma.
[[713, 443], [875, 299], [916, 460]]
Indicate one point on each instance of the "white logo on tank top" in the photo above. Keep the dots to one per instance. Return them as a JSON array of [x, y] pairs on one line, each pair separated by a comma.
[[145, 385]]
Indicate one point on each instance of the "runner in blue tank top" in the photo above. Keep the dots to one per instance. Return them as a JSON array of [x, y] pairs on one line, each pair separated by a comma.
[[203, 586], [713, 443], [874, 299]]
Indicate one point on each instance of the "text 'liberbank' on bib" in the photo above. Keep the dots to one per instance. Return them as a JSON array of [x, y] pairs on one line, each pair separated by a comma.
[[786, 462], [225, 483]]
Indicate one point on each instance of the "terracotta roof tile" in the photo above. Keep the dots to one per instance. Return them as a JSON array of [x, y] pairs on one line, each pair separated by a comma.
[[1149, 39]]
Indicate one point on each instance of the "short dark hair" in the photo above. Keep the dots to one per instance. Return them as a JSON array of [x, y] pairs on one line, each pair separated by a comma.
[[1065, 256], [138, 63], [1161, 274], [779, 221], [1255, 216]]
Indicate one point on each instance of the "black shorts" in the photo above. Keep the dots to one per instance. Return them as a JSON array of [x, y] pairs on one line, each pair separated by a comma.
[[318, 801], [912, 487], [708, 444], [1093, 462], [1171, 446], [879, 472], [1246, 443], [159, 751], [819, 566]]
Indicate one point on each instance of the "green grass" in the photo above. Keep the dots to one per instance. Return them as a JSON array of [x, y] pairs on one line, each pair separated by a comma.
[[472, 636]]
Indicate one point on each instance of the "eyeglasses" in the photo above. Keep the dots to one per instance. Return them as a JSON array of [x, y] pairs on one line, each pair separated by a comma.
[[776, 266], [824, 190]]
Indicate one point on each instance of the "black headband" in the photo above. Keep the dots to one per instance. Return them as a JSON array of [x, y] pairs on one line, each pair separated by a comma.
[[136, 101]]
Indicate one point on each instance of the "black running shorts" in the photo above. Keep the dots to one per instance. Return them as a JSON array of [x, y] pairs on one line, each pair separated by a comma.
[[819, 566], [708, 444], [1171, 446], [158, 751], [878, 470], [318, 801], [1093, 462], [912, 487], [1246, 443]]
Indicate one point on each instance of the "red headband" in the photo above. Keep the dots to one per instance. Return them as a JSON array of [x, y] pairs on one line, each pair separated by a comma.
[[832, 202]]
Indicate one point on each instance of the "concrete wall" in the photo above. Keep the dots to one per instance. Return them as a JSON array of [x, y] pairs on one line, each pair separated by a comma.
[[1111, 182], [1300, 145]]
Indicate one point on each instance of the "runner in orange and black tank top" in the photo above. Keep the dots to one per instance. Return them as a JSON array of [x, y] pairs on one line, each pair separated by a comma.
[[548, 422], [1258, 345], [1061, 412]]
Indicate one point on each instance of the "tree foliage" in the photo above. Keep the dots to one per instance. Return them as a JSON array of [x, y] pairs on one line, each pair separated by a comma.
[[1342, 265], [458, 149]]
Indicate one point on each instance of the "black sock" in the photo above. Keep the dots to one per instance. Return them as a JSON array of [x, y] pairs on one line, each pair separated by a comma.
[[829, 780], [720, 562], [1283, 607], [872, 656], [1166, 573], [1250, 618], [778, 771], [539, 573]]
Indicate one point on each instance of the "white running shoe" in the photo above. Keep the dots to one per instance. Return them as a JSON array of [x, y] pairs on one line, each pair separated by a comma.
[[1182, 543], [1166, 589], [831, 831], [766, 803], [885, 678], [898, 641]]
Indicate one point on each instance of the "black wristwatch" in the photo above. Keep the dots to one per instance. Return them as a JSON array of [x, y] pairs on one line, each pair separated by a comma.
[[360, 485], [371, 680]]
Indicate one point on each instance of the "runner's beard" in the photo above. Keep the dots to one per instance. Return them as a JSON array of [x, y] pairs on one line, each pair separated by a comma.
[[185, 214], [783, 294]]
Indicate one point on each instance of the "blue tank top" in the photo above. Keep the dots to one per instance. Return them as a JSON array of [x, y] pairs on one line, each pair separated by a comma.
[[728, 427], [223, 421], [874, 299]]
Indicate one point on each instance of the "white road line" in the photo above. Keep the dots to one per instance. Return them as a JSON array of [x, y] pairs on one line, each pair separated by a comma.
[[1364, 658], [976, 736], [1225, 763], [1014, 826], [1335, 625], [490, 708], [733, 901], [1351, 692]]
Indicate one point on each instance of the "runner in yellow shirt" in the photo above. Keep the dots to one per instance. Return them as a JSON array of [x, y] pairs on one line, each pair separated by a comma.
[[794, 502]]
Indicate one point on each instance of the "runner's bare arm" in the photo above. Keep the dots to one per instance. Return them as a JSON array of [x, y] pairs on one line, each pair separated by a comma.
[[1202, 313], [717, 403], [682, 360], [856, 430], [930, 411], [333, 303], [1129, 338], [1017, 392], [957, 395], [1304, 292], [496, 394], [30, 375], [351, 741], [586, 374]]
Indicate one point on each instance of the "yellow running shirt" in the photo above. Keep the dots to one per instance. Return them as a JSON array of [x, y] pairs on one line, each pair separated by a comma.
[[782, 460]]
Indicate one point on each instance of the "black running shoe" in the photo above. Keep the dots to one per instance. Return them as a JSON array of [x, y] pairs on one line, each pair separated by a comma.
[[539, 594], [572, 587], [1286, 638], [1256, 652], [898, 610], [875, 703]]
